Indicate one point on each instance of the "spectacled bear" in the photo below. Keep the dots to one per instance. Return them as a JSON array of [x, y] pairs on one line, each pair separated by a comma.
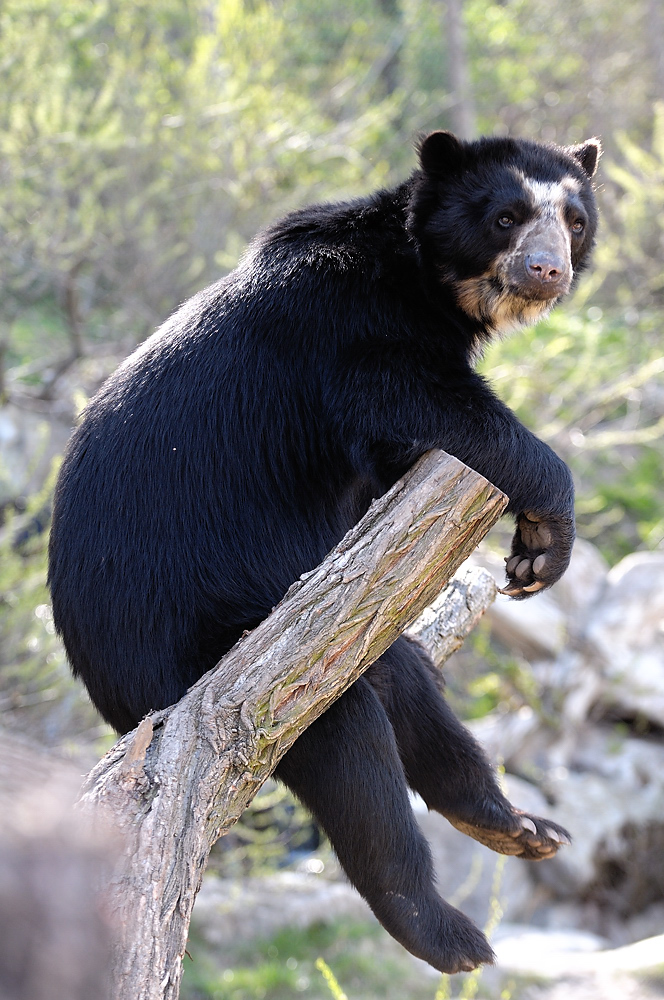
[[240, 442]]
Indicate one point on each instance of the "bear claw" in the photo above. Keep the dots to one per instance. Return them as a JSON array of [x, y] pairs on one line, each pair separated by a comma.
[[534, 840]]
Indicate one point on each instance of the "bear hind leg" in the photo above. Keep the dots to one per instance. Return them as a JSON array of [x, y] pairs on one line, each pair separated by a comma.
[[444, 763], [346, 769]]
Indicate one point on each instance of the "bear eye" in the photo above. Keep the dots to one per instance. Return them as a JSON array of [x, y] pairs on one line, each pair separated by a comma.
[[505, 221], [578, 226]]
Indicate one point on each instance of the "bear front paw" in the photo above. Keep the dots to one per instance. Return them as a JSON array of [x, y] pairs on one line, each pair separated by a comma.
[[541, 550]]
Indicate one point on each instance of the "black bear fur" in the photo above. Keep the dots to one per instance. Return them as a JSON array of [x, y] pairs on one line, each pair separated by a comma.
[[240, 442]]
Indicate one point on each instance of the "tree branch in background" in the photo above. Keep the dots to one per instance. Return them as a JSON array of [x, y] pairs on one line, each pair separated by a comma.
[[444, 625], [4, 347], [655, 34], [390, 70], [178, 782], [458, 73]]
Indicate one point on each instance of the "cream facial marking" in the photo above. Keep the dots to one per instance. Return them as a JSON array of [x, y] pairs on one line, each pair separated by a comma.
[[550, 197], [494, 297], [551, 200]]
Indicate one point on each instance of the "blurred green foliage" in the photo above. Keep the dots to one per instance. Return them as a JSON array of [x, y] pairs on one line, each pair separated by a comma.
[[590, 381], [365, 961], [483, 678], [274, 831], [37, 692], [141, 146]]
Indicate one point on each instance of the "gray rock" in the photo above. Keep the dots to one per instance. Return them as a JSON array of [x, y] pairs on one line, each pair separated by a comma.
[[582, 587], [511, 737], [560, 953], [648, 923], [614, 787], [228, 911], [544, 952], [626, 633]]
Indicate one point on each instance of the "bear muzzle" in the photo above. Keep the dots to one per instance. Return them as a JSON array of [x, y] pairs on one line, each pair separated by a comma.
[[546, 270]]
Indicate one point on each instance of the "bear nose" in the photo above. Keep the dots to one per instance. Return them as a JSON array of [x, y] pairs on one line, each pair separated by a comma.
[[545, 267]]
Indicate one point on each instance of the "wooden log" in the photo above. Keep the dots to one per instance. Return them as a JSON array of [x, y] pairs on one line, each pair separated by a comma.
[[184, 776], [444, 625]]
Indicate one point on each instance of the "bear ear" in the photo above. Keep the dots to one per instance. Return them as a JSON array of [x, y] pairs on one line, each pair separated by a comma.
[[588, 153], [441, 153]]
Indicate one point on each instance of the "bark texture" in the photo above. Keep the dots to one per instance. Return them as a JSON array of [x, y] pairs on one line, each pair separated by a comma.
[[444, 625], [184, 776]]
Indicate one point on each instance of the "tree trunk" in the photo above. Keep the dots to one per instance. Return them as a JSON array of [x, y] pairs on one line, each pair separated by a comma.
[[390, 70], [463, 108], [655, 30], [180, 780]]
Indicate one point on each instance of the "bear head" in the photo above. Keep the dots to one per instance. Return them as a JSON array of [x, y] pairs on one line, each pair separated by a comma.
[[508, 224]]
